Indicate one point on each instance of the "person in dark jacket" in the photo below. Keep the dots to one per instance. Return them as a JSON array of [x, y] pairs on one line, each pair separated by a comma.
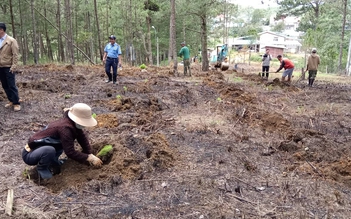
[[45, 147]]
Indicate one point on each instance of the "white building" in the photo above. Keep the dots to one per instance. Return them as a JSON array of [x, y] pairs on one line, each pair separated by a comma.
[[268, 38]]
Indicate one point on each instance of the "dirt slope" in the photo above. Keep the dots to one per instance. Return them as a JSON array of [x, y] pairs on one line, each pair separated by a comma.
[[216, 145]]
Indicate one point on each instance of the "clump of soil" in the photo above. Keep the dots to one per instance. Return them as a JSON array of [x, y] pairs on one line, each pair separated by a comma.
[[339, 171], [107, 120], [274, 122], [125, 161], [159, 151], [119, 104], [233, 94]]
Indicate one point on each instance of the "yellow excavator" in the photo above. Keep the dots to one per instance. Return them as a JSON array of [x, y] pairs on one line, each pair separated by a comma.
[[222, 60]]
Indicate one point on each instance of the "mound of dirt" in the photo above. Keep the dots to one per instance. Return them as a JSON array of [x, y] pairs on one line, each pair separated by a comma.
[[159, 151], [119, 104], [107, 120], [233, 94], [122, 162], [339, 171]]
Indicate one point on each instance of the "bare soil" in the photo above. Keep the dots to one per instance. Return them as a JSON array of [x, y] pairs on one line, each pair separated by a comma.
[[214, 145]]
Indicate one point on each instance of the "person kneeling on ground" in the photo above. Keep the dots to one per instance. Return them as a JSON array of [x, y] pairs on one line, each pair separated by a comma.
[[288, 66], [45, 147]]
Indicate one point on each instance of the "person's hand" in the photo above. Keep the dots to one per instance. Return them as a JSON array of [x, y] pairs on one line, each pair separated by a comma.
[[93, 160], [13, 69], [103, 60]]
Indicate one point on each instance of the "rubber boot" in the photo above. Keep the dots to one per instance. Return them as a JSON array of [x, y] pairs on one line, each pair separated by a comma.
[[267, 75], [55, 166], [44, 171], [312, 80], [309, 82]]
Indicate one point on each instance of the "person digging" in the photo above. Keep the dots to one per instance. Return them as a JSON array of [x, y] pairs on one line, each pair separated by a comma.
[[288, 68], [45, 147]]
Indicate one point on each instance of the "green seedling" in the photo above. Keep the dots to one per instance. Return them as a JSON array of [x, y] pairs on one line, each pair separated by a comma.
[[67, 96], [125, 88], [219, 99], [105, 150], [142, 66], [237, 79], [26, 174], [94, 115], [119, 96], [146, 80], [300, 109], [269, 87]]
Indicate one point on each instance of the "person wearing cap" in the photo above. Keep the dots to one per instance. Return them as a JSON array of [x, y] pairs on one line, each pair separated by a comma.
[[288, 66], [8, 65], [112, 52], [312, 66], [45, 147], [185, 53]]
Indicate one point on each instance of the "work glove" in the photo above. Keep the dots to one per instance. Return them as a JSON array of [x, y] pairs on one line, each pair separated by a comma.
[[93, 160]]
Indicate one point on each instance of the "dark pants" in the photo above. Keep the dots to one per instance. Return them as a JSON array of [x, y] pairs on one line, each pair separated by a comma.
[[265, 69], [110, 62], [8, 82], [186, 64], [311, 76], [44, 157]]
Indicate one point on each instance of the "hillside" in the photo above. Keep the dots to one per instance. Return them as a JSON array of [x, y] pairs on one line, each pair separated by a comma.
[[216, 145]]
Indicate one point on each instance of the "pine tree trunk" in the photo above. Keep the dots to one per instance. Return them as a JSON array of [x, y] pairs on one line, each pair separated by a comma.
[[98, 29], [69, 28], [22, 45], [61, 50], [342, 33], [107, 17], [35, 39], [12, 21], [205, 63], [173, 45], [47, 38], [148, 36]]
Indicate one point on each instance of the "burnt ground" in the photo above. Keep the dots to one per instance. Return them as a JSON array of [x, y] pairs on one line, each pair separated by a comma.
[[216, 145]]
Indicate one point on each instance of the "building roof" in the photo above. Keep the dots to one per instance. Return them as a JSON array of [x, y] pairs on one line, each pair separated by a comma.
[[273, 33], [273, 46]]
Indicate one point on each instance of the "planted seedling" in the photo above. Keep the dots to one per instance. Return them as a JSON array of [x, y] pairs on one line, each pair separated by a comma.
[[105, 154], [105, 150], [219, 99], [237, 79], [119, 96], [67, 96], [26, 173], [142, 66], [94, 115]]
